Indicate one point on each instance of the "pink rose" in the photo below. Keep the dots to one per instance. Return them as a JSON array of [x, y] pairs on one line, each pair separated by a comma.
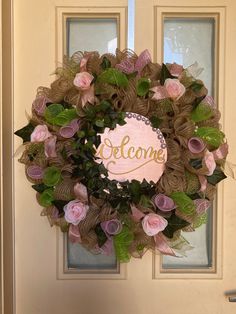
[[75, 211], [174, 88], [40, 133], [83, 80], [153, 224], [209, 162]]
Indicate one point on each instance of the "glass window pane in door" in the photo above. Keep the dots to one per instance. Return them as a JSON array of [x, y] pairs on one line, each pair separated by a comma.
[[90, 34], [187, 40]]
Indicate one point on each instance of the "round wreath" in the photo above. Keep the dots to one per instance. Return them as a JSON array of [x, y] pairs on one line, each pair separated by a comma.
[[94, 92]]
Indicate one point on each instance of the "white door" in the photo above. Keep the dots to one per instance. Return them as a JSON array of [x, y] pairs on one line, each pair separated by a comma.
[[42, 273]]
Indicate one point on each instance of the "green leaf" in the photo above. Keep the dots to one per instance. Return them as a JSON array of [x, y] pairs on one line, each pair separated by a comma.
[[184, 203], [105, 63], [196, 163], [212, 136], [201, 112], [46, 198], [174, 223], [122, 242], [51, 176], [103, 106], [101, 235], [59, 204], [52, 111], [135, 190], [197, 101], [39, 187], [143, 86], [165, 74], [217, 176], [155, 121], [113, 76], [65, 117], [99, 123], [25, 132], [196, 87]]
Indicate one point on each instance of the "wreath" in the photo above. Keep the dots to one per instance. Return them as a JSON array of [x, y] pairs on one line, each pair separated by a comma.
[[96, 94]]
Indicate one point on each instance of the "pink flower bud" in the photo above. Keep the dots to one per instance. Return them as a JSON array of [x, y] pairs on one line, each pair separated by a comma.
[[70, 129], [83, 80], [112, 226], [196, 145], [164, 202], [35, 172], [40, 133]]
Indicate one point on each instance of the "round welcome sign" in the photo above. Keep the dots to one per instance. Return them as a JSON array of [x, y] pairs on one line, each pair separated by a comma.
[[135, 150]]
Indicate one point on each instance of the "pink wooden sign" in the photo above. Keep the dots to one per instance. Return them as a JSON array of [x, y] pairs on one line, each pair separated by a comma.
[[134, 150]]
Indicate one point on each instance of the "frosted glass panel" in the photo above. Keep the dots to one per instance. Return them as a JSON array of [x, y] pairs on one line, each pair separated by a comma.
[[186, 41], [91, 34], [189, 40], [81, 259]]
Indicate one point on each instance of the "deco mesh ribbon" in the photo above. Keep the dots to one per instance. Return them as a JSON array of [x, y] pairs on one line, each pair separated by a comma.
[[94, 92]]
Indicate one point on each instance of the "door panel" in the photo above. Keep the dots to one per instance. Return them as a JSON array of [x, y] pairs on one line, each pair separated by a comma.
[[39, 41]]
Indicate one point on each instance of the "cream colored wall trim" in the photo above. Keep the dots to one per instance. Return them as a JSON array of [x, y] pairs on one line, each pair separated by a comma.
[[1, 243], [7, 220], [218, 13], [64, 272], [62, 13]]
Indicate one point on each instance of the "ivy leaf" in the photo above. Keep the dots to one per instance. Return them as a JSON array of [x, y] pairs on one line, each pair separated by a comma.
[[101, 235], [113, 76], [105, 63], [197, 101], [196, 87], [174, 223], [25, 132], [46, 198], [155, 121], [135, 190], [59, 204], [143, 86], [217, 176], [165, 74], [99, 123], [196, 163], [39, 187]]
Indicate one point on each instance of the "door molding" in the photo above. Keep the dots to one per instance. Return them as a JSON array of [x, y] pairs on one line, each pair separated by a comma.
[[7, 196]]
